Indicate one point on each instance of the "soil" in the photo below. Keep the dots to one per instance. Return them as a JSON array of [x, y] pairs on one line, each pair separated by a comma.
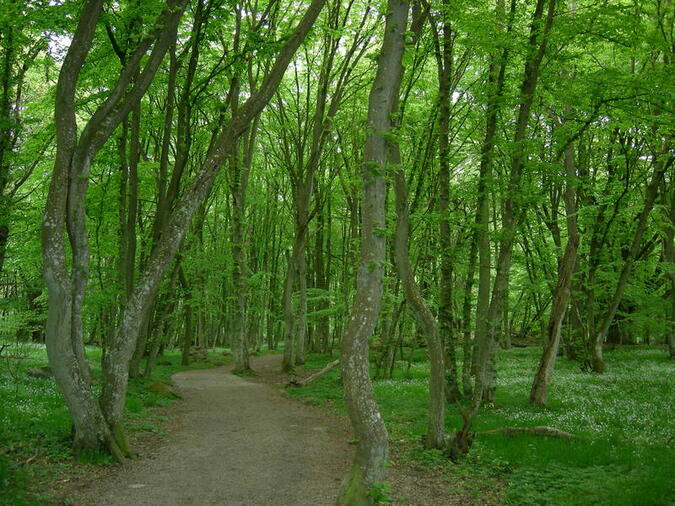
[[242, 441]]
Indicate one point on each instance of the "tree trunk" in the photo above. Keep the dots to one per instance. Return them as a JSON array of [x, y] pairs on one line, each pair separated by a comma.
[[512, 211], [238, 184], [370, 458], [561, 297], [496, 79], [65, 358], [288, 362], [435, 437], [669, 258], [65, 206], [445, 317]]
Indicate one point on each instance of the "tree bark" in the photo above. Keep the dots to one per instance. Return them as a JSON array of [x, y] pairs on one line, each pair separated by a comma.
[[90, 430], [669, 258], [370, 458], [513, 209], [445, 317], [496, 79]]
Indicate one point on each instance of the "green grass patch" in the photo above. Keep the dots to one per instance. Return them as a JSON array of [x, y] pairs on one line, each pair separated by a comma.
[[623, 418]]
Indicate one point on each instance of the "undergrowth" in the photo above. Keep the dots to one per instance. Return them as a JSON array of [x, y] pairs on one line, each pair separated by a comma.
[[624, 455]]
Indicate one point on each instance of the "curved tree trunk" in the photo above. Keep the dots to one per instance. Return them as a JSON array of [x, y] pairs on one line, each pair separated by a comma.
[[70, 372], [436, 428], [371, 454]]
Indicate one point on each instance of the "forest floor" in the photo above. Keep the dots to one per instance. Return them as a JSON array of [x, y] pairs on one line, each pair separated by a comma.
[[242, 441]]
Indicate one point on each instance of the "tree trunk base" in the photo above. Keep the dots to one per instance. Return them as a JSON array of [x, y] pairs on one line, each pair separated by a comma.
[[244, 372], [354, 491]]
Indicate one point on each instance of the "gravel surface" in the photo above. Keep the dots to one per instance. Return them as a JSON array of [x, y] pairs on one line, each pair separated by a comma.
[[237, 442]]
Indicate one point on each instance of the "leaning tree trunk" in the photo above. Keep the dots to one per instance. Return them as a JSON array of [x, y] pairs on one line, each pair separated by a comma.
[[371, 454], [115, 365], [90, 430], [561, 296], [435, 437], [661, 164], [65, 210]]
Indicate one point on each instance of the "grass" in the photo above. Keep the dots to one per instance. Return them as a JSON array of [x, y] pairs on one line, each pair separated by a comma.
[[625, 454], [35, 426]]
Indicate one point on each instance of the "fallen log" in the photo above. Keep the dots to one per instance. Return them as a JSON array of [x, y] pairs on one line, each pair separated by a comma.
[[535, 431], [312, 378]]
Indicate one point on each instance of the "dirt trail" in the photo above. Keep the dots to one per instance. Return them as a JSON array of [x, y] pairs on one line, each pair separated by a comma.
[[238, 442]]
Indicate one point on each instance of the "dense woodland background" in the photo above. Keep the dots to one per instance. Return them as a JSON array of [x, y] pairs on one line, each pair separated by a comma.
[[196, 170]]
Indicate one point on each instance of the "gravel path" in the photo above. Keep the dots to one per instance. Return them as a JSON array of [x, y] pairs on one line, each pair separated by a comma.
[[238, 442]]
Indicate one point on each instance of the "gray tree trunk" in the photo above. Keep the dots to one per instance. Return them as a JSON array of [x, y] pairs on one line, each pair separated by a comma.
[[496, 79], [371, 454], [115, 365], [669, 257], [512, 212], [445, 317]]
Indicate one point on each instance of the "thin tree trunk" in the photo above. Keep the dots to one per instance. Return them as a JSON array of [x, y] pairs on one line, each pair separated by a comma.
[[445, 317], [669, 258], [496, 79], [188, 332], [435, 436], [288, 362], [115, 366], [512, 211], [486, 343], [561, 297]]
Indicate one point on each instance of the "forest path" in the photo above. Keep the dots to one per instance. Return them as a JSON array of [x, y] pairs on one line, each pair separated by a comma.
[[238, 442]]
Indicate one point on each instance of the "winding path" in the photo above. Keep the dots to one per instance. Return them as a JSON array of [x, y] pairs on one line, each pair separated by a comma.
[[238, 442]]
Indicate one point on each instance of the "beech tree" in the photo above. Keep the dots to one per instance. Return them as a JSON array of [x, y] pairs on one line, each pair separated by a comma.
[[372, 450]]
